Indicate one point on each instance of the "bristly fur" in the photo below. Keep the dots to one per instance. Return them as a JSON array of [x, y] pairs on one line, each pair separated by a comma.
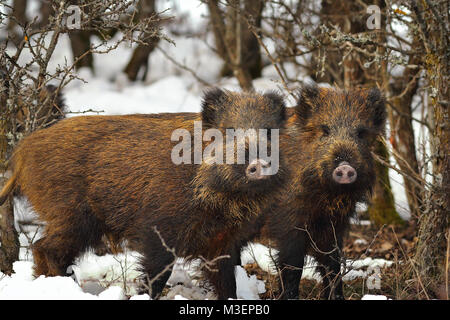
[[332, 126]]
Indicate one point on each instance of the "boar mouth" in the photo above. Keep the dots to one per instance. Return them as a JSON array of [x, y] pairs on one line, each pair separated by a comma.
[[243, 180]]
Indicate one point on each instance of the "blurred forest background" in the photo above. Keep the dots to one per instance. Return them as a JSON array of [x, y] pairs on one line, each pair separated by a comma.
[[400, 46]]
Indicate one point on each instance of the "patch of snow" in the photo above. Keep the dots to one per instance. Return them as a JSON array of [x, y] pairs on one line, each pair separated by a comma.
[[374, 297], [360, 242], [140, 297], [248, 287], [369, 262], [262, 255], [21, 285], [108, 270], [181, 292], [112, 293]]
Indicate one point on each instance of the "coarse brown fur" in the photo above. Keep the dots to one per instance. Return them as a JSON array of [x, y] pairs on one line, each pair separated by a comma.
[[91, 176]]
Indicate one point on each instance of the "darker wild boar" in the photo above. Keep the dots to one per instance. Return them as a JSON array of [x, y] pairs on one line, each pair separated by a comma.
[[332, 135], [327, 146], [113, 175]]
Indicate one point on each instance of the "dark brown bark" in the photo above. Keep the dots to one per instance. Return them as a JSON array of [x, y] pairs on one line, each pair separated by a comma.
[[402, 134], [235, 41], [139, 59], [81, 44], [19, 12], [46, 11], [431, 256], [382, 208], [9, 249]]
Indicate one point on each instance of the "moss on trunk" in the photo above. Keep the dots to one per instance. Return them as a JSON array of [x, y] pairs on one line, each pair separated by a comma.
[[382, 209]]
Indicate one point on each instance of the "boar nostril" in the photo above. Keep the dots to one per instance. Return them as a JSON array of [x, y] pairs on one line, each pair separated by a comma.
[[256, 170], [344, 173]]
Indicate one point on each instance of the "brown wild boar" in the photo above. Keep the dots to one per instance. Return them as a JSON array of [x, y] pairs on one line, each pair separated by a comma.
[[91, 176]]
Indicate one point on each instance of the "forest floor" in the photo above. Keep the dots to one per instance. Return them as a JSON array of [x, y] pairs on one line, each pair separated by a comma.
[[364, 246]]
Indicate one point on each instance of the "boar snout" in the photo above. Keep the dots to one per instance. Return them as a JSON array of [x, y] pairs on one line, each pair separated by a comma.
[[258, 169], [344, 173]]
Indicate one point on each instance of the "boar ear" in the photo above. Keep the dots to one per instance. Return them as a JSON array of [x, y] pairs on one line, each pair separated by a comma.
[[377, 107], [213, 102], [305, 101], [277, 104]]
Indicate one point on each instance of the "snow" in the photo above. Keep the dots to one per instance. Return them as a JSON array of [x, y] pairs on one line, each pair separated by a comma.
[[260, 254], [374, 297], [247, 287], [140, 297], [112, 277], [180, 292], [360, 242], [112, 293], [21, 286], [94, 272], [369, 262]]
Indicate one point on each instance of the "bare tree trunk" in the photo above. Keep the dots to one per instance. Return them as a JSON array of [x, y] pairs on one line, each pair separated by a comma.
[[251, 51], [46, 11], [9, 239], [19, 12], [325, 65], [382, 207], [402, 134], [81, 43], [235, 42], [431, 256], [139, 59], [218, 28]]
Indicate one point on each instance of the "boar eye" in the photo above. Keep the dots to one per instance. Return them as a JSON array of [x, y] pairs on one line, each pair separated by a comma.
[[325, 130], [362, 133]]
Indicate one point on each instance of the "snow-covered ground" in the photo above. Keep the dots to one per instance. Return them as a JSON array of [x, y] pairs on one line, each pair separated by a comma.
[[114, 277], [166, 89]]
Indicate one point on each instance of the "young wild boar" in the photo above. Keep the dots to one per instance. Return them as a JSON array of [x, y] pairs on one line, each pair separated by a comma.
[[113, 175], [327, 146], [332, 132]]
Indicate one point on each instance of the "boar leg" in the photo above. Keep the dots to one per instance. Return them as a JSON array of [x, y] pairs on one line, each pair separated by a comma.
[[51, 259], [222, 275], [65, 237], [330, 269], [157, 264], [291, 258]]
